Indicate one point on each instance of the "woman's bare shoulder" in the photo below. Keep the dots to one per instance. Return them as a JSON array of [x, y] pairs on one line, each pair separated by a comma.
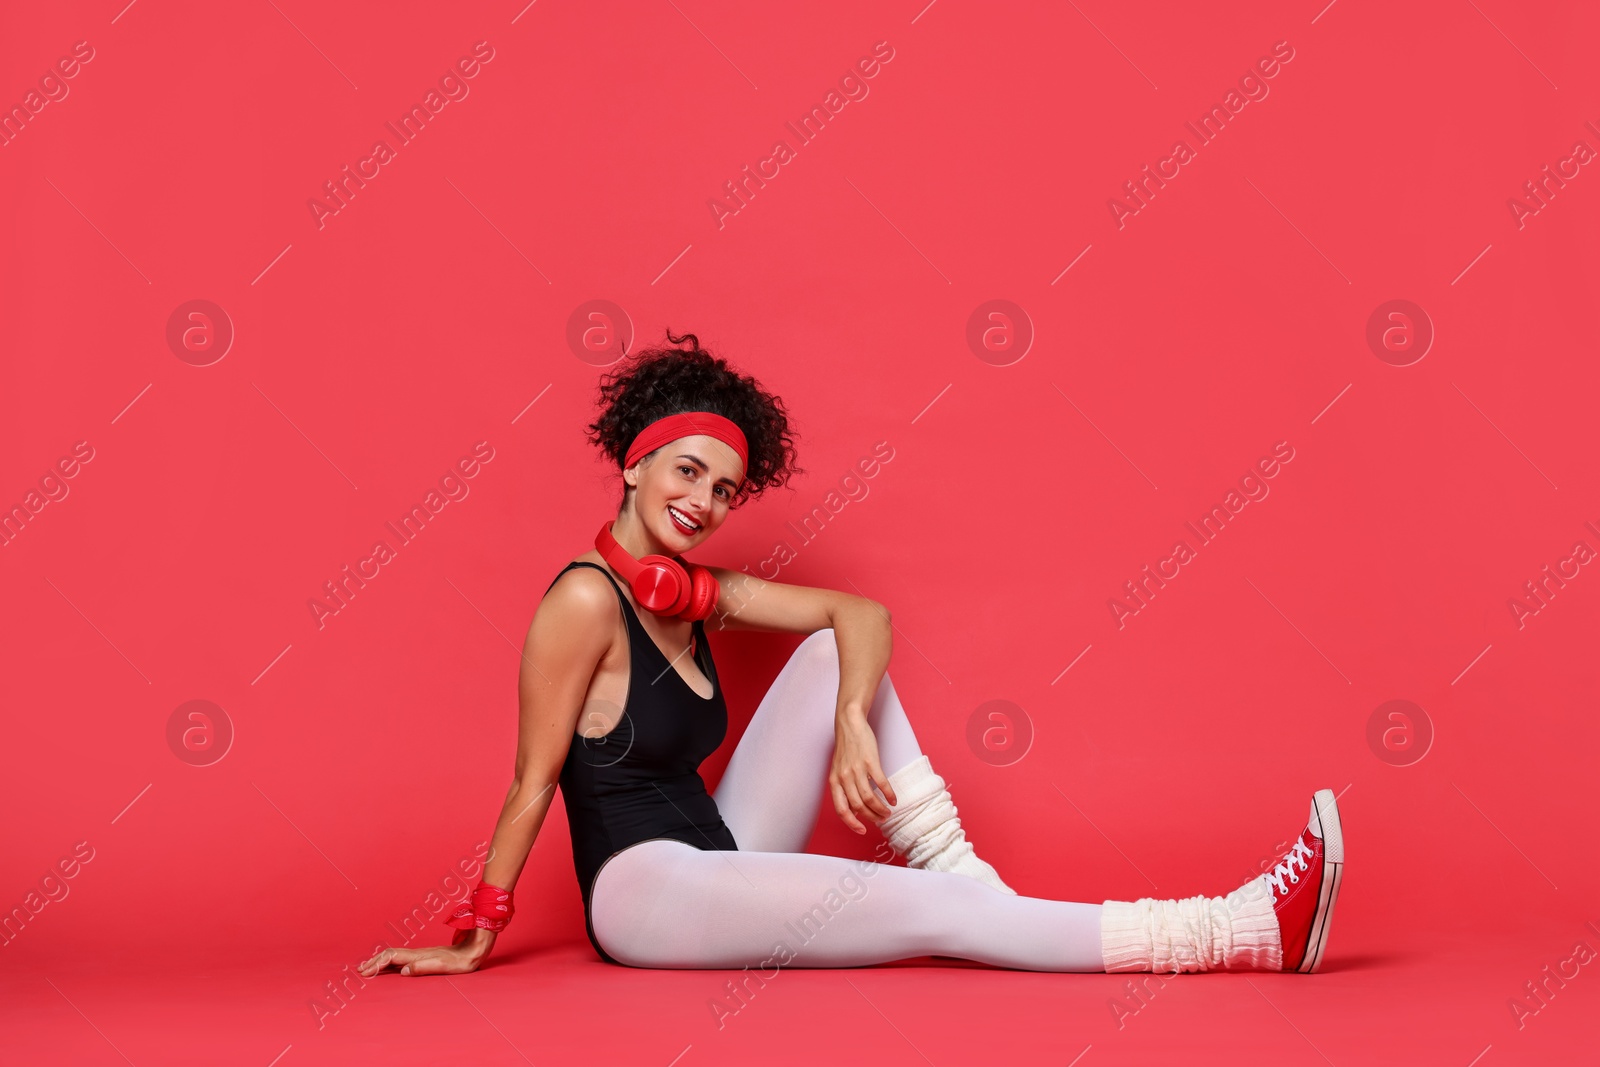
[[578, 594]]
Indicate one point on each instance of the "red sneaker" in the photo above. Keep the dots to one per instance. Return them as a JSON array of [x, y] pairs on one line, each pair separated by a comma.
[[1305, 884]]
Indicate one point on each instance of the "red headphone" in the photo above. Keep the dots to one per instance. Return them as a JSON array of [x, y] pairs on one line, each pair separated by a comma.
[[659, 583]]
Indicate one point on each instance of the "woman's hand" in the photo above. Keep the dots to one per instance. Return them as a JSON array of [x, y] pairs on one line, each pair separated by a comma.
[[855, 770], [464, 955]]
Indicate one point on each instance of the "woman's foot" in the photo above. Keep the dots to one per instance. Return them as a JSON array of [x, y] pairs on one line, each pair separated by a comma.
[[1276, 921], [1305, 885]]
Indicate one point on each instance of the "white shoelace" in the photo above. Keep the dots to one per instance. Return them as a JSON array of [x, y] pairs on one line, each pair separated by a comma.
[[1294, 861]]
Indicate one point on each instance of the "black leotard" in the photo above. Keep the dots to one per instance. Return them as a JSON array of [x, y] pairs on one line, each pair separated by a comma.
[[641, 779]]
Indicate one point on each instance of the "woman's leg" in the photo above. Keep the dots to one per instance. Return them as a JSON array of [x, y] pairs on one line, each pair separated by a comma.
[[663, 903], [776, 778]]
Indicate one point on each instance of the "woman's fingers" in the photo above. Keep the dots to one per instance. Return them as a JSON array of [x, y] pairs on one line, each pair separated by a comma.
[[883, 782], [864, 802], [439, 959], [876, 809], [841, 807], [845, 801], [397, 957]]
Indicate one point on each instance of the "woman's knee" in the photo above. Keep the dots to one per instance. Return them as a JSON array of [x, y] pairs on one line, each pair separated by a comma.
[[820, 650], [818, 656]]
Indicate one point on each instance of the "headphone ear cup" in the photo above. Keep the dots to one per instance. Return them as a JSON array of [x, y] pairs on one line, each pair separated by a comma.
[[704, 593], [662, 586]]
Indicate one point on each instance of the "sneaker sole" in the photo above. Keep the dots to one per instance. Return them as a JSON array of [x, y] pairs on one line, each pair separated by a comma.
[[1325, 823]]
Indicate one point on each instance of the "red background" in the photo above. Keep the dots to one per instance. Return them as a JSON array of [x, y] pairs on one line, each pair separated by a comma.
[[371, 353]]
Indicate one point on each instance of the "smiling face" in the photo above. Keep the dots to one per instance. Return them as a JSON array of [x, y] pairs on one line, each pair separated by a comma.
[[682, 493]]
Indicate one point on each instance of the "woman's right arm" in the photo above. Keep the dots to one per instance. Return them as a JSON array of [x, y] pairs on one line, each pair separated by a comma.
[[570, 634]]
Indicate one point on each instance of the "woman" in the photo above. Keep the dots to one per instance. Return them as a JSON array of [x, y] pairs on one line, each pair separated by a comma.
[[620, 703]]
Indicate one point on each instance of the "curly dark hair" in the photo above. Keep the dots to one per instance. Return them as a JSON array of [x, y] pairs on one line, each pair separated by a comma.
[[656, 382]]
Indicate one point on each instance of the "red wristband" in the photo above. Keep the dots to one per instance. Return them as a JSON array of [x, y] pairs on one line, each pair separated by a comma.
[[490, 909]]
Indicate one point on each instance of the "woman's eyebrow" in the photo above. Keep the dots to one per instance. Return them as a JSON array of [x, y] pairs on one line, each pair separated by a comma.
[[697, 461]]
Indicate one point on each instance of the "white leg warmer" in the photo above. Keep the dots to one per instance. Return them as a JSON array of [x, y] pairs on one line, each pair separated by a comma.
[[1198, 933], [923, 826]]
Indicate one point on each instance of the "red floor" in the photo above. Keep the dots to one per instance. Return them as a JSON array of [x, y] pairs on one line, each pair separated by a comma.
[[1420, 998]]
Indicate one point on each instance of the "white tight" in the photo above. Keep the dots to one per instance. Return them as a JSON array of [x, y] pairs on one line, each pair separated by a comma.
[[663, 903]]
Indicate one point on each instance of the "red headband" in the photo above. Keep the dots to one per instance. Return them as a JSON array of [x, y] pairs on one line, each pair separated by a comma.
[[687, 424]]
